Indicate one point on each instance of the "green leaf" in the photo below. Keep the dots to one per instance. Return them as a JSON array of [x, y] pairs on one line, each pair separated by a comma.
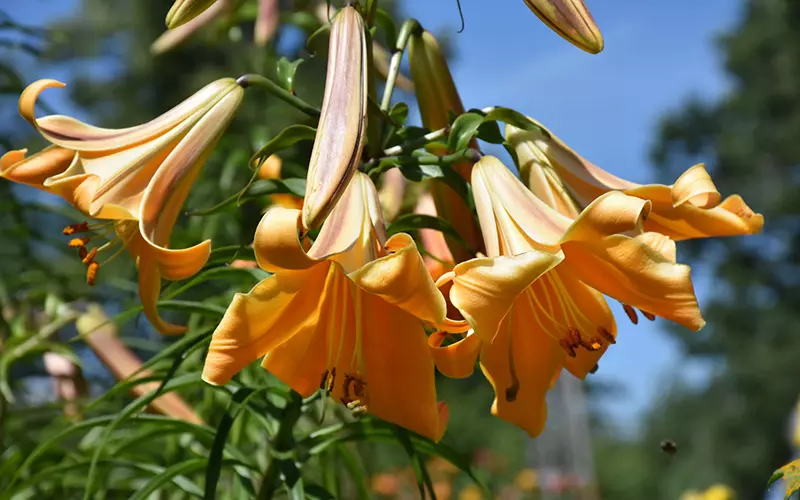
[[790, 473], [515, 118], [350, 462], [399, 113], [463, 130], [385, 21], [168, 475], [190, 307], [414, 222], [286, 70], [215, 461], [417, 172], [287, 138], [417, 463]]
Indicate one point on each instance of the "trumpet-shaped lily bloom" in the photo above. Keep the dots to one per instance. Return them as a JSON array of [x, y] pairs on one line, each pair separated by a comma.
[[345, 316], [690, 208], [570, 19], [533, 302], [134, 179]]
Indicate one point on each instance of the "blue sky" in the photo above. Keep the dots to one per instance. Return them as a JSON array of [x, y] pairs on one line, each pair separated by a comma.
[[605, 106]]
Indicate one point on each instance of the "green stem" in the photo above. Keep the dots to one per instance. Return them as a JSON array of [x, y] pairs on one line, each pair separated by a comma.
[[279, 92], [372, 6], [409, 27], [415, 144], [282, 445]]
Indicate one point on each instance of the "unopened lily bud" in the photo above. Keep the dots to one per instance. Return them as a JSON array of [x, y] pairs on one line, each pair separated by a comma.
[[343, 119], [183, 11], [174, 37], [570, 19], [438, 98], [266, 21]]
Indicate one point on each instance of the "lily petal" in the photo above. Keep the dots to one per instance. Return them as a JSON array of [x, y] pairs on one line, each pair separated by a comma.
[[520, 364], [484, 289], [458, 359], [35, 169], [257, 322], [571, 20]]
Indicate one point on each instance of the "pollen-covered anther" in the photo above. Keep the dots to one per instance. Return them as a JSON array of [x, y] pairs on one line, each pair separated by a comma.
[[631, 312], [357, 385], [574, 337], [595, 344], [323, 383], [331, 382], [606, 335], [82, 227], [568, 347], [649, 316], [357, 408], [89, 257], [91, 272], [78, 242], [511, 392], [82, 252]]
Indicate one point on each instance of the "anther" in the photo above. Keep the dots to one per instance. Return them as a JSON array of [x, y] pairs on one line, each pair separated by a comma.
[[324, 381], [89, 257], [606, 335], [631, 312], [357, 408], [574, 337], [594, 369], [651, 317], [91, 273], [331, 381], [83, 227], [511, 392], [568, 347], [78, 242], [82, 252], [595, 344]]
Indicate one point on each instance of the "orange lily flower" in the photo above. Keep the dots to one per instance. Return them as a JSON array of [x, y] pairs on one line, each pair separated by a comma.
[[136, 179], [346, 316], [690, 208], [533, 303]]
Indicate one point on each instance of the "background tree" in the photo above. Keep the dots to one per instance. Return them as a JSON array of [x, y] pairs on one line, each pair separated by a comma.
[[734, 429]]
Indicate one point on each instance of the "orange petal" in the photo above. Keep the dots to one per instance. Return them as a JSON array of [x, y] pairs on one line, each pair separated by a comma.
[[37, 168], [271, 313], [456, 360]]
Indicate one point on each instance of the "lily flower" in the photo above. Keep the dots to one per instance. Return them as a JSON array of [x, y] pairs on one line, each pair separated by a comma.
[[183, 11], [345, 316], [534, 302], [134, 180], [438, 99], [343, 120], [571, 20], [690, 208]]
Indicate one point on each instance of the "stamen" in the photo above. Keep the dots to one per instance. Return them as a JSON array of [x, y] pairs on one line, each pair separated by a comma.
[[574, 337], [82, 252], [594, 369], [651, 317], [357, 408], [331, 381], [324, 381], [631, 312], [89, 257], [568, 347], [83, 227], [91, 273], [78, 242], [595, 344], [606, 335]]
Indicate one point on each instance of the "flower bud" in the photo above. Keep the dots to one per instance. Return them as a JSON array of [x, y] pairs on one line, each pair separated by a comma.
[[570, 19], [183, 11], [438, 98], [343, 120]]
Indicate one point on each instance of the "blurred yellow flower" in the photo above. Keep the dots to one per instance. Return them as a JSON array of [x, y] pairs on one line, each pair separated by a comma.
[[136, 179], [346, 316], [534, 303], [527, 480]]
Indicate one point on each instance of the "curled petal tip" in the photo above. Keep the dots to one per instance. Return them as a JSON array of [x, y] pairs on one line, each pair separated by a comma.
[[572, 20]]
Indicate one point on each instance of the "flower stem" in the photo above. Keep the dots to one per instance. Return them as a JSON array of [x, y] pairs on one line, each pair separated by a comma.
[[415, 144], [279, 92], [408, 28], [282, 446]]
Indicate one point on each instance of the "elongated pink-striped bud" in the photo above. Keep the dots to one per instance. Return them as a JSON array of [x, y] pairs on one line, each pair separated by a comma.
[[340, 133], [570, 19]]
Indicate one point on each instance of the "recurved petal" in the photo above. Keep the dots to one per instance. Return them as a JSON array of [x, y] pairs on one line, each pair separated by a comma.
[[149, 292], [485, 288], [257, 322], [35, 169], [401, 279], [456, 360], [570, 19], [400, 370], [340, 133], [695, 187], [73, 134], [165, 194], [520, 364]]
